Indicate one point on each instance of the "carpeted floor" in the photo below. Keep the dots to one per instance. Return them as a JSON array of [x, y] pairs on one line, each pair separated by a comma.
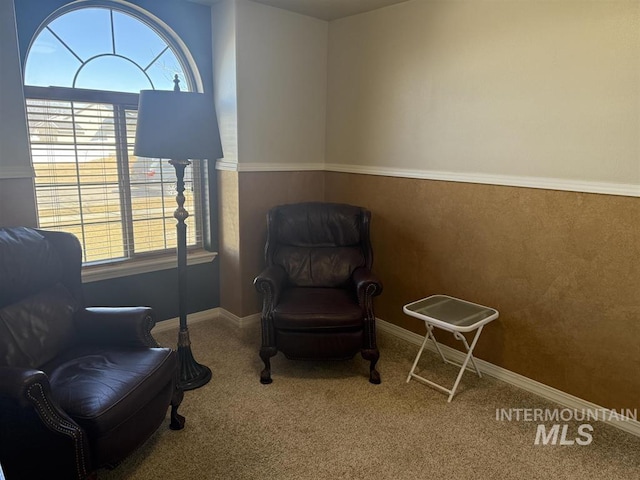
[[326, 421]]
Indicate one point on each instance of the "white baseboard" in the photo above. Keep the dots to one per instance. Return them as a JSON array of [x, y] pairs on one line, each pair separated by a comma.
[[520, 381], [217, 313], [549, 393], [239, 321], [174, 323]]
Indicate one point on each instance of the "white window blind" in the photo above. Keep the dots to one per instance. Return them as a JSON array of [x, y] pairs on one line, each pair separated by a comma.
[[89, 183]]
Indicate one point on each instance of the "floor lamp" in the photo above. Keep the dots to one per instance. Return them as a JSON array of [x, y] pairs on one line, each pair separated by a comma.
[[180, 126]]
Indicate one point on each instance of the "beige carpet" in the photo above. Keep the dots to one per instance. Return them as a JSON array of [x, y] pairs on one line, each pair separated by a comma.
[[326, 421]]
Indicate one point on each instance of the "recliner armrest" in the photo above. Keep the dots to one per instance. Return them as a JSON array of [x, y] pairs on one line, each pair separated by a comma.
[[271, 283], [118, 326], [16, 382], [30, 388], [366, 282], [28, 406]]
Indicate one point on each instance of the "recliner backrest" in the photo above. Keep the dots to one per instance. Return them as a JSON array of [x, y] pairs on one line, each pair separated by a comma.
[[28, 264], [318, 244], [36, 303]]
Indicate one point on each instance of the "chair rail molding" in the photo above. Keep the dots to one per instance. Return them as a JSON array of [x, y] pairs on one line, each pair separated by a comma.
[[544, 183], [16, 171], [269, 167]]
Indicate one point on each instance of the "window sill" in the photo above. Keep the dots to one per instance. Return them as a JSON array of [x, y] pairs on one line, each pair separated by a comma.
[[135, 267]]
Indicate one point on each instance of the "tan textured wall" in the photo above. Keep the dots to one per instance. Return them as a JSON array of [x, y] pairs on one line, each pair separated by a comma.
[[229, 241], [561, 267], [243, 227]]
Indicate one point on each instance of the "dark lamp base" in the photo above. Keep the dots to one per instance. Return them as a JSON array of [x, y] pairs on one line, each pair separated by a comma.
[[192, 374]]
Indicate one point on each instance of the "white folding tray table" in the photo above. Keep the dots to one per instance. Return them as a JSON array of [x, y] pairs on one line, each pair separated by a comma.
[[453, 315]]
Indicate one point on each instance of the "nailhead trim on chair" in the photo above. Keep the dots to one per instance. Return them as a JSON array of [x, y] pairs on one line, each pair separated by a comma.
[[50, 416], [152, 342], [371, 319]]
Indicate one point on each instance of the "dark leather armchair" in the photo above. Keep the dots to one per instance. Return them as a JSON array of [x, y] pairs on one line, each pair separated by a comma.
[[318, 287], [80, 388]]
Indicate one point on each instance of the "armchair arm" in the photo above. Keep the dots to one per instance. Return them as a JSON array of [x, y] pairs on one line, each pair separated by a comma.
[[118, 326], [32, 420], [270, 283], [367, 284], [16, 382]]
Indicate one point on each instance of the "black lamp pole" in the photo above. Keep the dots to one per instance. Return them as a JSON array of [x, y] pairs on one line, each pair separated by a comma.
[[179, 125], [192, 374]]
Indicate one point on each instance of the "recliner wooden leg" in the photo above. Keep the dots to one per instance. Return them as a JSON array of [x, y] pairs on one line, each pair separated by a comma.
[[177, 420], [265, 354], [373, 355]]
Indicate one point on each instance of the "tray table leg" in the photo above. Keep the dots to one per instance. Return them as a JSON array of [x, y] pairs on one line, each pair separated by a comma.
[[415, 362], [462, 338], [428, 336], [435, 342], [468, 357]]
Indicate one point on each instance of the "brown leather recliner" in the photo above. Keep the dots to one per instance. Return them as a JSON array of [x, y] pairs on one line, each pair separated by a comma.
[[318, 287], [80, 388]]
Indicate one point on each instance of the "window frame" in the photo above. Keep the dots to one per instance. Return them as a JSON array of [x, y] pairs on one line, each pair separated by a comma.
[[158, 259]]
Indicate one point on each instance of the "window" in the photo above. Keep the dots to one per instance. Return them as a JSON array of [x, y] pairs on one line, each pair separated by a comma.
[[83, 72]]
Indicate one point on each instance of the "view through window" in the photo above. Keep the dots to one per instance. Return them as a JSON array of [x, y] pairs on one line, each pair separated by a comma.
[[83, 73]]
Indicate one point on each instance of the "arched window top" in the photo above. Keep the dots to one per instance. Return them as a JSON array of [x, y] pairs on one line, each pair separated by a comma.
[[104, 48]]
